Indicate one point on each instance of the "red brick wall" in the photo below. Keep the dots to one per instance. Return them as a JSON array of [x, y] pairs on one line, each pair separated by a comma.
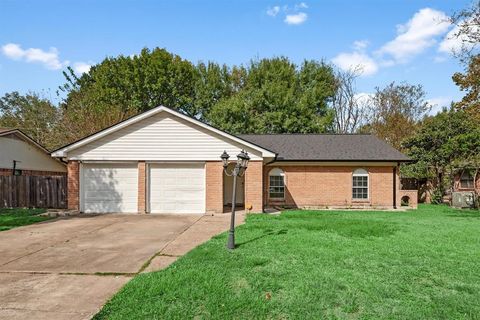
[[412, 198], [332, 186], [9, 172], [254, 186], [73, 171], [142, 174], [214, 186]]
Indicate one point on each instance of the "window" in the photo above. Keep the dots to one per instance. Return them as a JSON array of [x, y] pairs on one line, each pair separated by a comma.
[[466, 180], [276, 184], [360, 184]]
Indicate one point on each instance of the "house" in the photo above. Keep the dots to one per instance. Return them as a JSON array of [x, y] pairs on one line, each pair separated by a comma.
[[467, 179], [162, 161], [21, 155]]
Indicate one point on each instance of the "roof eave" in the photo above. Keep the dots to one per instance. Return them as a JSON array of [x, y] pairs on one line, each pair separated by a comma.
[[345, 160]]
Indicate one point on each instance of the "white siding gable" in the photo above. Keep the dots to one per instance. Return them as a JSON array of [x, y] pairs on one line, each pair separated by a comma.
[[29, 156], [161, 137]]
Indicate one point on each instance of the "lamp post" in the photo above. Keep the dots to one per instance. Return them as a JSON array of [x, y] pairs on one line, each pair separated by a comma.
[[238, 170]]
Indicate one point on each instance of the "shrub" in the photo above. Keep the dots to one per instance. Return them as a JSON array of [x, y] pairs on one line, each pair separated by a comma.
[[437, 196]]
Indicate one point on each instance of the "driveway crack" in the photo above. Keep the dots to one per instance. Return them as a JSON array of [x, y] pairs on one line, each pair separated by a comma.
[[159, 253]]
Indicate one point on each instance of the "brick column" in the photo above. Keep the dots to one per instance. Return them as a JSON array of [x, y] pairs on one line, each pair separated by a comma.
[[73, 185], [142, 186], [398, 187], [254, 186], [214, 186]]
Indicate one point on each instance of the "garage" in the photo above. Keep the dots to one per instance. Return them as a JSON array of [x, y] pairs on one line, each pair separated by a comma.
[[177, 188], [109, 187]]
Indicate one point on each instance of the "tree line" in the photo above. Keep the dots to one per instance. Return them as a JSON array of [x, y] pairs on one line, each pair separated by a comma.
[[271, 95]]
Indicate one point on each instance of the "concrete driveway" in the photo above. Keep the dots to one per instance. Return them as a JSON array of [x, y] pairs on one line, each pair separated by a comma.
[[68, 268]]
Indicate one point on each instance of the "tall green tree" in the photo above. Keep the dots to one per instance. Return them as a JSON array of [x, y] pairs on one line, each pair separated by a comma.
[[214, 82], [470, 83], [36, 116], [449, 139], [277, 96], [122, 86]]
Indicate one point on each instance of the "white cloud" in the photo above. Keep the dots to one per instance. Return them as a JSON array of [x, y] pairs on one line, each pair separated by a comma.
[[50, 59], [13, 51], [453, 44], [364, 98], [437, 103], [356, 60], [360, 45], [273, 11], [295, 19], [416, 35], [293, 15], [413, 38], [301, 5], [81, 67]]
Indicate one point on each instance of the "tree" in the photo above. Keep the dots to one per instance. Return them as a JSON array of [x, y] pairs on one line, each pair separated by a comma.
[[33, 114], [277, 96], [348, 106], [467, 36], [470, 82], [466, 32], [443, 142], [123, 86], [214, 83], [395, 111]]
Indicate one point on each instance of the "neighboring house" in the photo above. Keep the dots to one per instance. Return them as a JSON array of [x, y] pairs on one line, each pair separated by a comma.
[[21, 155], [162, 161], [467, 180]]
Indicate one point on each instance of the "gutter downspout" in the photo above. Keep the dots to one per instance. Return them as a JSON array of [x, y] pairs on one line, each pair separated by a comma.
[[274, 159]]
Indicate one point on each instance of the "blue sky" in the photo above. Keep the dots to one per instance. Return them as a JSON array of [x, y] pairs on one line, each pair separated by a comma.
[[392, 40]]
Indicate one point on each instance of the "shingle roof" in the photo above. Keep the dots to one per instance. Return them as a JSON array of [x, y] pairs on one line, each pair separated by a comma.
[[327, 147]]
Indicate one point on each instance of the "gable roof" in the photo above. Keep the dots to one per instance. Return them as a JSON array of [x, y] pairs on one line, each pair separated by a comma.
[[61, 152], [22, 135], [327, 147]]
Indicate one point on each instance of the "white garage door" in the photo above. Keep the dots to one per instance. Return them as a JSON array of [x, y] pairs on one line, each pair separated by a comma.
[[109, 187], [177, 188]]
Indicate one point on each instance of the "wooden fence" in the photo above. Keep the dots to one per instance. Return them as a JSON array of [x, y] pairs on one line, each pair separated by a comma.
[[33, 192]]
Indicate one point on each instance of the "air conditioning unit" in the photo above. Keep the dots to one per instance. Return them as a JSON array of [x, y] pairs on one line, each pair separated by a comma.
[[464, 199]]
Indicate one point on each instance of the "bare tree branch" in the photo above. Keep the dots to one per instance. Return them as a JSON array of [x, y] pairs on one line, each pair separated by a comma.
[[349, 111]]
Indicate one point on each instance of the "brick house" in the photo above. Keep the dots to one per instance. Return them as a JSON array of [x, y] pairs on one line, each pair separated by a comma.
[[21, 155], [467, 180], [162, 161]]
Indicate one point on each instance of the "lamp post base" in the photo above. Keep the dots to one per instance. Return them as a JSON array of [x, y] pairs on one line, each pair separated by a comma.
[[231, 240]]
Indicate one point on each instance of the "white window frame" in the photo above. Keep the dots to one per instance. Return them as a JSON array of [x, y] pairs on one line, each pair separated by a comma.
[[276, 172], [361, 172]]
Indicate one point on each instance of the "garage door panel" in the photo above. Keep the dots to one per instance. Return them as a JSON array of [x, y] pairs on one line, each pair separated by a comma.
[[177, 188], [110, 187]]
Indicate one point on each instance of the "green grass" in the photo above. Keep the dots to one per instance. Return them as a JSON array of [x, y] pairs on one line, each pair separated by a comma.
[[422, 264], [11, 218]]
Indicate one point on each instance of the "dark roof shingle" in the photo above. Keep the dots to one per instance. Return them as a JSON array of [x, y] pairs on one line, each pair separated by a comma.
[[326, 147]]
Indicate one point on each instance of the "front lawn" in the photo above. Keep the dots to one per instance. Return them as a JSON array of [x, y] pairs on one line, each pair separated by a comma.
[[422, 264], [11, 218]]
